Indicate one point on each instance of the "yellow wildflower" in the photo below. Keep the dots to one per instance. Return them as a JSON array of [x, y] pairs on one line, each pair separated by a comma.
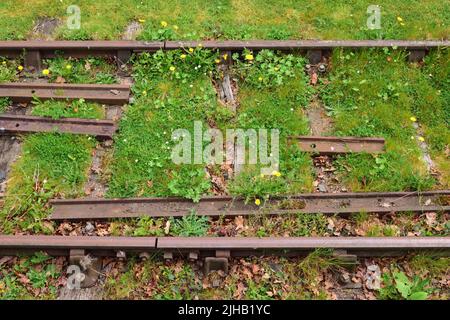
[[421, 139], [68, 67], [45, 72], [260, 78], [225, 56], [141, 20], [183, 56], [257, 202], [402, 23], [217, 61], [175, 27], [199, 45], [413, 119], [4, 63], [172, 68], [249, 57], [20, 68], [399, 19], [276, 68], [163, 24], [191, 50], [262, 175], [144, 93], [276, 173]]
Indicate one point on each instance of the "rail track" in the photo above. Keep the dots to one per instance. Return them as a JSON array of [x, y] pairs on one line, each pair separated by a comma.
[[101, 93], [215, 251], [34, 51], [331, 203], [18, 124]]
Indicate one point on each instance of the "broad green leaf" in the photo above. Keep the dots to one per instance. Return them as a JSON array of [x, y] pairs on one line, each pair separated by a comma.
[[421, 295]]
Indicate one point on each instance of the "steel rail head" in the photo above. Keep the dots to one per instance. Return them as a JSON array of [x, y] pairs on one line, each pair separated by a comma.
[[311, 203], [103, 129]]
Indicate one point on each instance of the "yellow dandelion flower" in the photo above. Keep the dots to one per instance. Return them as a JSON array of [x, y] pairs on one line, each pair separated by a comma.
[[413, 119], [183, 56], [249, 57], [402, 23], [399, 19], [276, 68], [68, 67], [199, 45], [260, 78], [217, 61], [4, 63], [144, 93], [225, 56], [421, 139], [172, 68], [257, 202], [262, 175], [175, 27], [141, 20], [164, 24], [276, 173], [20, 68], [191, 50], [45, 72]]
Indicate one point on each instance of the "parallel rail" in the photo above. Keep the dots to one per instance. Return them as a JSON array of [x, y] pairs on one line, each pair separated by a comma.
[[101, 93], [14, 124], [35, 50], [205, 246], [328, 203], [338, 145]]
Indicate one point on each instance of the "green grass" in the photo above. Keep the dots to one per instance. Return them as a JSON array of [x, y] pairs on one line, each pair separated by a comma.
[[231, 19], [30, 278], [86, 70], [68, 109], [8, 70], [375, 93], [273, 91], [52, 165], [166, 100]]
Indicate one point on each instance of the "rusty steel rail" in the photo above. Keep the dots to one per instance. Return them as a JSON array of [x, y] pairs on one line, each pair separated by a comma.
[[233, 45], [206, 246], [327, 203], [338, 145], [101, 93], [16, 124], [36, 50]]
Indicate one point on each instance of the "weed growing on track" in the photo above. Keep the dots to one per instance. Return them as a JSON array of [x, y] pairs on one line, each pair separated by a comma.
[[52, 165], [191, 225], [249, 278], [377, 93], [30, 278], [172, 89], [4, 103], [67, 109], [86, 70], [273, 93]]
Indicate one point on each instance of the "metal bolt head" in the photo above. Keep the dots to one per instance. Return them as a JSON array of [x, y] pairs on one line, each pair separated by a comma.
[[322, 68]]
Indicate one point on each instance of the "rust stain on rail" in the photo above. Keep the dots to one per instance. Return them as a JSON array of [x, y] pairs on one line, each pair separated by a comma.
[[103, 129], [338, 145], [101, 93], [343, 203]]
